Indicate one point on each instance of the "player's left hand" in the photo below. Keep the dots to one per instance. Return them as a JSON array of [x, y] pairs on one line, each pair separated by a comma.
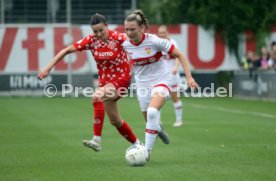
[[192, 83]]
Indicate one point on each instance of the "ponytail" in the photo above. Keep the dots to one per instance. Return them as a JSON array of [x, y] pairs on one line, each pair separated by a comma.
[[140, 18]]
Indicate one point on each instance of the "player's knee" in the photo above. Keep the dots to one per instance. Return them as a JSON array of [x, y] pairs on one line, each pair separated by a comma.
[[104, 96], [98, 96], [96, 99]]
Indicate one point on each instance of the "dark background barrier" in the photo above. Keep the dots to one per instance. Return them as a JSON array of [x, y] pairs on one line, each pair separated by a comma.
[[259, 84], [27, 84]]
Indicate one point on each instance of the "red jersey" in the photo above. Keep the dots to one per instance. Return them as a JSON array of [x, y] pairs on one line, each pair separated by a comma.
[[110, 56]]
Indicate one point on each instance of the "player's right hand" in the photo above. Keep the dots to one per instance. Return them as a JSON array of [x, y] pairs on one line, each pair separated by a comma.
[[44, 72]]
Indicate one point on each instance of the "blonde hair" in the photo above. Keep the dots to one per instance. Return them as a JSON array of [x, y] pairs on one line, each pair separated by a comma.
[[140, 18]]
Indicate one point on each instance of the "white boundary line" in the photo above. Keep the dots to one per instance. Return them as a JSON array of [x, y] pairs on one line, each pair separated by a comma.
[[236, 111]]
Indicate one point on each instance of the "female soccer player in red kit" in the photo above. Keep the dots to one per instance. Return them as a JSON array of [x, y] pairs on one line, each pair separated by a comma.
[[151, 75], [114, 73]]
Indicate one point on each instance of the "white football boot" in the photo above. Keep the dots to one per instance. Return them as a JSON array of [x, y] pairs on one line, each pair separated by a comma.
[[178, 124], [95, 145]]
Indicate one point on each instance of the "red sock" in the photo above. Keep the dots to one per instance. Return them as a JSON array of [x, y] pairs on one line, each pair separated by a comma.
[[127, 132], [98, 118]]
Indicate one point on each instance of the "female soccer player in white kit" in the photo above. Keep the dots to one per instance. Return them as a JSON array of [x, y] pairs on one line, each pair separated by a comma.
[[172, 65], [151, 75]]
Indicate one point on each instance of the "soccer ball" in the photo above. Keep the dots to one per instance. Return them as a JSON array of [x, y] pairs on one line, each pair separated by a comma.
[[136, 155]]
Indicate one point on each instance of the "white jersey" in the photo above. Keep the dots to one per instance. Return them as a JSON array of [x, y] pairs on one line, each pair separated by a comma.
[[145, 58]]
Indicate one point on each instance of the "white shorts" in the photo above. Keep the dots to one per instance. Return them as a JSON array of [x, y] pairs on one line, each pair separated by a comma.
[[175, 82], [144, 94]]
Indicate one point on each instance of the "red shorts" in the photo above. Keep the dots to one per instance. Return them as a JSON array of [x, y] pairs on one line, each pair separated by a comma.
[[121, 85]]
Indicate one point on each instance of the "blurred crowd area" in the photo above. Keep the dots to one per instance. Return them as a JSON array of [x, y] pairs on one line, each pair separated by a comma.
[[265, 60]]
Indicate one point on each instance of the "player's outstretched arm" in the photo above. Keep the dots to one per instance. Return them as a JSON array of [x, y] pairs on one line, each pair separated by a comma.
[[182, 59], [44, 72]]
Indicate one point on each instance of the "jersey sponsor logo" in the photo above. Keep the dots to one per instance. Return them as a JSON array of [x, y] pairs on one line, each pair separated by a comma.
[[145, 61], [129, 53], [165, 43], [148, 60], [105, 54], [148, 50]]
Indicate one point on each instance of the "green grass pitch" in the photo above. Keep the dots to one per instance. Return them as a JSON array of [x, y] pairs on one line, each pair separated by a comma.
[[222, 139]]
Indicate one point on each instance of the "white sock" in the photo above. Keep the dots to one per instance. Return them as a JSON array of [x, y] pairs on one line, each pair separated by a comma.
[[178, 110], [137, 142], [152, 127], [97, 138], [159, 119]]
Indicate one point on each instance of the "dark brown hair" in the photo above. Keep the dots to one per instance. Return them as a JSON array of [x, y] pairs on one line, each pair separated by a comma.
[[97, 19]]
